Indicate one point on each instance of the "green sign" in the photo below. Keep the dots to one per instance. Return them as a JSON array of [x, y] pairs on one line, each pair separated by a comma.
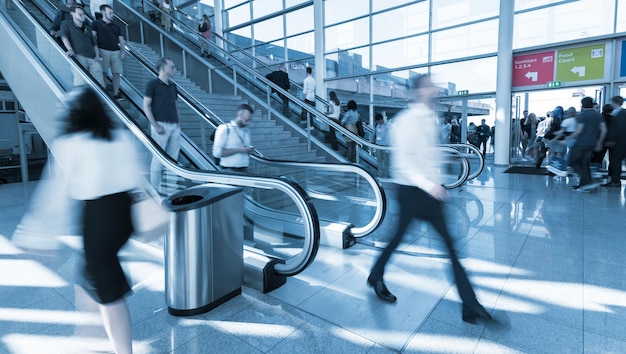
[[463, 92], [580, 64], [553, 84]]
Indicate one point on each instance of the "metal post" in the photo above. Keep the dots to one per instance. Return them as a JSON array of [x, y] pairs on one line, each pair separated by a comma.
[[503, 83], [162, 45], [210, 80], [269, 103], [235, 80], [184, 62], [143, 40]]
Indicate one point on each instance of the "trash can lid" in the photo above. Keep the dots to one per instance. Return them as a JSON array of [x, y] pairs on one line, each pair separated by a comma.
[[198, 196]]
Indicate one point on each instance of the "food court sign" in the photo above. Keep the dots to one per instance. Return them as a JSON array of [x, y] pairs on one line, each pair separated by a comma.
[[569, 65]]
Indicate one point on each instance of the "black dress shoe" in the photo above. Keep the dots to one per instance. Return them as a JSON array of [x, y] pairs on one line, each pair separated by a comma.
[[471, 312], [381, 290]]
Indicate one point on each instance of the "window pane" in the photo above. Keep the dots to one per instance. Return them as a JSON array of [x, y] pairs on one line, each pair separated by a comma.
[[404, 52], [529, 4], [301, 44], [475, 75], [269, 30], [479, 38], [454, 12], [231, 3], [241, 37], [290, 3], [378, 5], [263, 8], [9, 105], [621, 16], [238, 15], [348, 35], [353, 62], [342, 10], [300, 21], [402, 22], [585, 18]]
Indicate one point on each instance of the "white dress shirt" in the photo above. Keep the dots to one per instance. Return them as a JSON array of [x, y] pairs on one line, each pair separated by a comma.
[[416, 160], [308, 88], [231, 136]]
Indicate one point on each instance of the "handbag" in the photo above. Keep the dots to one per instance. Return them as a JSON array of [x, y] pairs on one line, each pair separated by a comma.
[[150, 220]]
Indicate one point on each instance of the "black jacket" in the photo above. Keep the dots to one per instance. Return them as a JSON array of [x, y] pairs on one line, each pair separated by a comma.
[[280, 78]]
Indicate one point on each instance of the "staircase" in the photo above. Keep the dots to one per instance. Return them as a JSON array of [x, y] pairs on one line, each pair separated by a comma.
[[272, 140]]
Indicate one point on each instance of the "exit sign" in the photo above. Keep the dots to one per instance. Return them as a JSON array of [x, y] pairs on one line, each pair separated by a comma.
[[553, 84], [463, 92]]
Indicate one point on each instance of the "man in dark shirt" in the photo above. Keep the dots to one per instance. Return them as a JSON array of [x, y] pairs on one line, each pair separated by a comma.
[[281, 78], [483, 131], [159, 106], [616, 142], [589, 134], [81, 45], [111, 45]]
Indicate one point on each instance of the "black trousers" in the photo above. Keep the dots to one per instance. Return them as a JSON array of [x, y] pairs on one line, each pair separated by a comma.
[[304, 114], [417, 204], [579, 159], [616, 156]]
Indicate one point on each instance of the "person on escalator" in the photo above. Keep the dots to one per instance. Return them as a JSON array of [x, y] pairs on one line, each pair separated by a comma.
[[62, 15], [81, 45], [381, 137], [415, 167], [204, 28], [232, 141], [349, 121], [111, 44], [159, 106], [281, 78]]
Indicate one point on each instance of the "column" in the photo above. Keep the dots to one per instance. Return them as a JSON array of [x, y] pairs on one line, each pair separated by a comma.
[[503, 83], [320, 60]]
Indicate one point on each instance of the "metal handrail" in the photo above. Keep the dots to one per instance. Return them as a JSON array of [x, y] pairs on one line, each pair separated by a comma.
[[305, 207]]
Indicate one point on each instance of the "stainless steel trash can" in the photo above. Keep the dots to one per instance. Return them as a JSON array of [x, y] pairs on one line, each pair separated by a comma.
[[203, 248]]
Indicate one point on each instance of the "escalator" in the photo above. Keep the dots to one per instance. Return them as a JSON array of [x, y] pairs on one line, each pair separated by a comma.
[[40, 75], [333, 188], [246, 73]]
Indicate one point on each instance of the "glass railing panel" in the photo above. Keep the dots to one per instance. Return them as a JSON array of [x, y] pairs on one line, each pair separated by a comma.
[[339, 192]]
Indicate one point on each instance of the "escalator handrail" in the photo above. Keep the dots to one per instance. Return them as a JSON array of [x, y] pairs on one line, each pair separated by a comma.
[[379, 192], [477, 153], [294, 191]]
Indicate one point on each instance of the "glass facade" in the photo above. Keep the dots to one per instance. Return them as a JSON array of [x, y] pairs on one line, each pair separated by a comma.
[[382, 42]]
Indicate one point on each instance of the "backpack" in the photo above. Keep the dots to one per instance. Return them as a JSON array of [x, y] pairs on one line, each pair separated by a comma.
[[212, 138], [359, 128]]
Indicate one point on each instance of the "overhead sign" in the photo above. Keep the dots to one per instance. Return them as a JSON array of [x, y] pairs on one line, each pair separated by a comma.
[[533, 69], [580, 64]]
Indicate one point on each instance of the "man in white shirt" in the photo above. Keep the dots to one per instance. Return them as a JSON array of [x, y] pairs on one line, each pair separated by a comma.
[[416, 170], [308, 91], [232, 141]]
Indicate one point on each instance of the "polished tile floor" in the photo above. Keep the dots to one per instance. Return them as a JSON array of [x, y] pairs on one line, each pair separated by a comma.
[[547, 262]]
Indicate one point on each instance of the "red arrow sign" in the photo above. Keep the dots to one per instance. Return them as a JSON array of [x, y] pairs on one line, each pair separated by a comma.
[[533, 69]]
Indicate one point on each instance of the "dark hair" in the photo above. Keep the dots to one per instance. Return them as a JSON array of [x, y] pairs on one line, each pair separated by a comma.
[[309, 70], [247, 107], [161, 62], [618, 100], [607, 109], [378, 116], [104, 7], [419, 80], [86, 113], [352, 105], [587, 102], [333, 97], [76, 6]]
